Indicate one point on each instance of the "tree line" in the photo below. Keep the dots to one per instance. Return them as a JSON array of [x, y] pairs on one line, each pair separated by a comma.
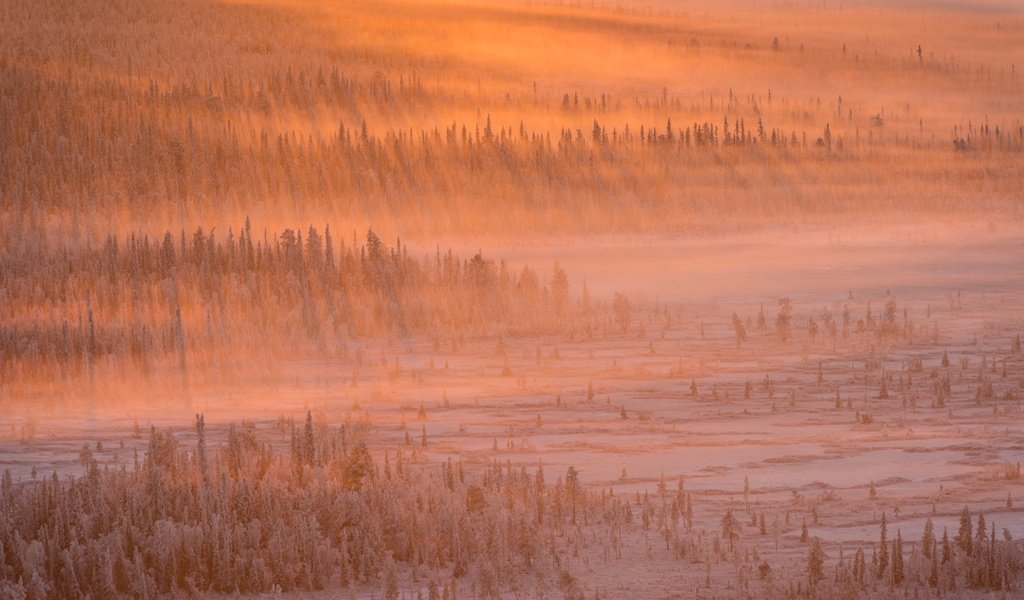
[[190, 301], [257, 114]]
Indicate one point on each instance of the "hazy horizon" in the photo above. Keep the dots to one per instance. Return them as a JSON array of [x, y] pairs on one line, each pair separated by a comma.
[[462, 299]]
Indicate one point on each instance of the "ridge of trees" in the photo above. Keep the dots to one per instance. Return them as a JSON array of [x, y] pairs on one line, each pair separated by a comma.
[[196, 300], [257, 115]]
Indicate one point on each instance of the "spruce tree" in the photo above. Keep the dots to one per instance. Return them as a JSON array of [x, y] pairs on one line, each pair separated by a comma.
[[883, 551]]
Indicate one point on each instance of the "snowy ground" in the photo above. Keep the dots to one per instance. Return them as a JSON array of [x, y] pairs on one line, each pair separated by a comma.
[[804, 459]]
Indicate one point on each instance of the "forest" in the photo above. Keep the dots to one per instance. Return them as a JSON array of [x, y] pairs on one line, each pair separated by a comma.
[[267, 116], [145, 306], [251, 516], [438, 299]]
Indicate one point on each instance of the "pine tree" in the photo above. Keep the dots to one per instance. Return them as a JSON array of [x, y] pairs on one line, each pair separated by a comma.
[[308, 442], [782, 320], [883, 550], [572, 485], [981, 531], [730, 528], [201, 448], [964, 538], [897, 559], [741, 331], [859, 566], [815, 562], [928, 539]]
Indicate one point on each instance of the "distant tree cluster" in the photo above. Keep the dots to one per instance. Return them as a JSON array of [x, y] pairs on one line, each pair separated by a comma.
[[112, 122], [169, 152], [201, 299]]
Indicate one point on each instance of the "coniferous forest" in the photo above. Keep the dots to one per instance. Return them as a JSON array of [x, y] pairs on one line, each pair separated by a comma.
[[146, 306], [416, 299]]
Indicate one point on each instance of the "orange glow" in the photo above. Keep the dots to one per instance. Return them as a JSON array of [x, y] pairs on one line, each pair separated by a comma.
[[493, 299]]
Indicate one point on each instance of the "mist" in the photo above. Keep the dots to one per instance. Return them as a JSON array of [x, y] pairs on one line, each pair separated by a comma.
[[449, 299]]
